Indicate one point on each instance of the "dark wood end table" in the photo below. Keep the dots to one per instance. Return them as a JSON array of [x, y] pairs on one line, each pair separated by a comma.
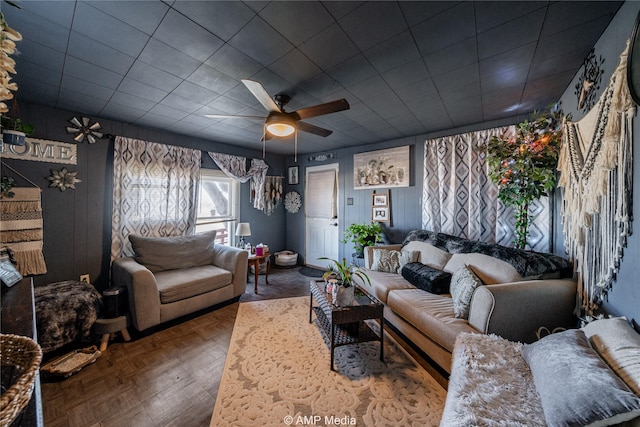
[[346, 325], [256, 260]]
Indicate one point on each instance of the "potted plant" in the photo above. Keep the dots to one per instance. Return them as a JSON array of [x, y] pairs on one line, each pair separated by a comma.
[[362, 235], [523, 166], [341, 276], [14, 130]]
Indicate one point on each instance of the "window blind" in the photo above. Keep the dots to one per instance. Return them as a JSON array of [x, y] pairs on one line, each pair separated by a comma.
[[320, 193]]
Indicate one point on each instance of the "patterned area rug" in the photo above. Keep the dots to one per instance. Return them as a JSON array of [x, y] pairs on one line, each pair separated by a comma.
[[277, 373]]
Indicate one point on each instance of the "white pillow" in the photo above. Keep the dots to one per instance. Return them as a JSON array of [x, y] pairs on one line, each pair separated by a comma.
[[619, 346], [464, 282], [489, 269], [429, 255], [391, 261]]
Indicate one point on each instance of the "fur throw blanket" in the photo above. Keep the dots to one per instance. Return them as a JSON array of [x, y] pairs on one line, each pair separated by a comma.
[[527, 263], [490, 385]]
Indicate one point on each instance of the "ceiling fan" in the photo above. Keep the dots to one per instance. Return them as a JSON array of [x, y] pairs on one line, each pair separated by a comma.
[[281, 123]]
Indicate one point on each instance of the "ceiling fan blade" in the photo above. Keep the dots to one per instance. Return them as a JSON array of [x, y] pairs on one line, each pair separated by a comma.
[[306, 127], [224, 116], [322, 109], [261, 95]]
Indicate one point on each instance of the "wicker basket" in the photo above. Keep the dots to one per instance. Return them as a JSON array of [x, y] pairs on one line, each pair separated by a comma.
[[24, 355]]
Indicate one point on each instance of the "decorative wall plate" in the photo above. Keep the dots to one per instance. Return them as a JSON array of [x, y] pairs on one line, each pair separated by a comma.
[[292, 202]]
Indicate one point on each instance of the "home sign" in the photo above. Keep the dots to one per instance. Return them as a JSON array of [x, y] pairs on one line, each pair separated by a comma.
[[41, 150]]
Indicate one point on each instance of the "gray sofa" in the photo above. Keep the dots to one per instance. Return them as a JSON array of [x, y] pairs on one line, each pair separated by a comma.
[[169, 277], [525, 292]]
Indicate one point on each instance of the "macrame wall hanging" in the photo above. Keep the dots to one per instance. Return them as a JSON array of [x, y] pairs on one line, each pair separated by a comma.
[[272, 193], [596, 173]]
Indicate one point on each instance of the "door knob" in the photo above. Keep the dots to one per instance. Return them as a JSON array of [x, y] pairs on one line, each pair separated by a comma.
[[335, 224]]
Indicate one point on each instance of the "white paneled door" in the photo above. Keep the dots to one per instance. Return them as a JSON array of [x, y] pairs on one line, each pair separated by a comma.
[[321, 214]]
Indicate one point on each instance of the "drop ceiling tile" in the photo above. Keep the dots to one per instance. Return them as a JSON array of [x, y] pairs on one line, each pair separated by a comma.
[[195, 93], [513, 34], [143, 15], [87, 88], [212, 79], [36, 29], [31, 51], [222, 18], [424, 89], [169, 112], [503, 62], [566, 62], [261, 42], [157, 121], [456, 80], [233, 63], [121, 112], [153, 76], [241, 94], [109, 31], [186, 36], [226, 105], [394, 52], [96, 53], [141, 90], [578, 39], [452, 57], [388, 105], [352, 71], [297, 21], [38, 89], [373, 23], [166, 58], [562, 15], [418, 11], [407, 74], [76, 101], [179, 103], [338, 9], [448, 28], [322, 50], [87, 71], [513, 78], [371, 88], [58, 12], [124, 98], [324, 87], [491, 14], [295, 67]]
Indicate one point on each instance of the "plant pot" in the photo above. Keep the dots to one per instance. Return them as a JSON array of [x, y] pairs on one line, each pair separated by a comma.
[[13, 137], [344, 296]]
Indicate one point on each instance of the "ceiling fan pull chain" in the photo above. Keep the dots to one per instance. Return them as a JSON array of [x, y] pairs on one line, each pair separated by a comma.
[[295, 147], [264, 139]]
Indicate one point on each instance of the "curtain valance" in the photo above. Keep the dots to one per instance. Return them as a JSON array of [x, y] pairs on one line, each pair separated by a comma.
[[236, 167]]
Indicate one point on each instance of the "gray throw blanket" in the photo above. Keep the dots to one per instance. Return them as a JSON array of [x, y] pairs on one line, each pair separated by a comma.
[[528, 263]]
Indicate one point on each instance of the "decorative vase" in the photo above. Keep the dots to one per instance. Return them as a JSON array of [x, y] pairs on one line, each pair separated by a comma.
[[344, 296], [13, 137]]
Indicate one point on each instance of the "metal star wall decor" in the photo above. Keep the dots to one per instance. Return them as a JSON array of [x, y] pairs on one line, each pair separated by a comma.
[[84, 128], [63, 179]]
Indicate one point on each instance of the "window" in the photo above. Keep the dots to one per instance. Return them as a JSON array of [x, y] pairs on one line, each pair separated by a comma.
[[218, 205]]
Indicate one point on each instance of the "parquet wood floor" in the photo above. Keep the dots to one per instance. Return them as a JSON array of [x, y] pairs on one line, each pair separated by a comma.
[[169, 377]]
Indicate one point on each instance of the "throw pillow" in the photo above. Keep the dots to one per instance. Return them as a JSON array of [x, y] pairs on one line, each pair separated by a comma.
[[429, 255], [427, 278], [575, 386], [463, 283], [618, 344], [171, 253], [390, 261]]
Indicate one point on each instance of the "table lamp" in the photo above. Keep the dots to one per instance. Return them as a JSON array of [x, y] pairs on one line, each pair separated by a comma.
[[243, 229]]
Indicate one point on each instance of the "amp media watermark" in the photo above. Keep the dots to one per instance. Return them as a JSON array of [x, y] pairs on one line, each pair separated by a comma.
[[319, 420]]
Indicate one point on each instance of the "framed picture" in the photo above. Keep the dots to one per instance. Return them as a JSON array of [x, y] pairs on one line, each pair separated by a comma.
[[380, 199], [380, 214], [293, 175], [381, 168]]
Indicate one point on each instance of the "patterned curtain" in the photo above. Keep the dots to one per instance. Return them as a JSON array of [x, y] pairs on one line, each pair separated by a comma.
[[236, 167], [154, 191], [459, 198]]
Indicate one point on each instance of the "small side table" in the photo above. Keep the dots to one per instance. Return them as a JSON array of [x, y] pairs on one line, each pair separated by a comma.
[[107, 327], [256, 260]]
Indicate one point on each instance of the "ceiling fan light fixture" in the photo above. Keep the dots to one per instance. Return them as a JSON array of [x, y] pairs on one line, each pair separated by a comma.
[[280, 125]]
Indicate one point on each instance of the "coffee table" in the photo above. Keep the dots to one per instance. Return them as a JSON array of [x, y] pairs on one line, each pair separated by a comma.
[[346, 325]]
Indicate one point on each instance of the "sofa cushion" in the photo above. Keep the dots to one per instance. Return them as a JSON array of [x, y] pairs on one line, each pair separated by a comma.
[[171, 253], [429, 254], [575, 386], [391, 261], [427, 278], [463, 284], [382, 283], [431, 314], [176, 285], [619, 346], [490, 270]]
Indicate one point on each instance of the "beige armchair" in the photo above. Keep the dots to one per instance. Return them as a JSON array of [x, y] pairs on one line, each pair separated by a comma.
[[169, 277]]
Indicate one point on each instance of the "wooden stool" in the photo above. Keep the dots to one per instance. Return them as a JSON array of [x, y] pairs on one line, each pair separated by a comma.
[[108, 327]]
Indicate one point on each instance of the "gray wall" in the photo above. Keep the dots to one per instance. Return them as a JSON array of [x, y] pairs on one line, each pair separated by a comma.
[[624, 299], [77, 223]]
